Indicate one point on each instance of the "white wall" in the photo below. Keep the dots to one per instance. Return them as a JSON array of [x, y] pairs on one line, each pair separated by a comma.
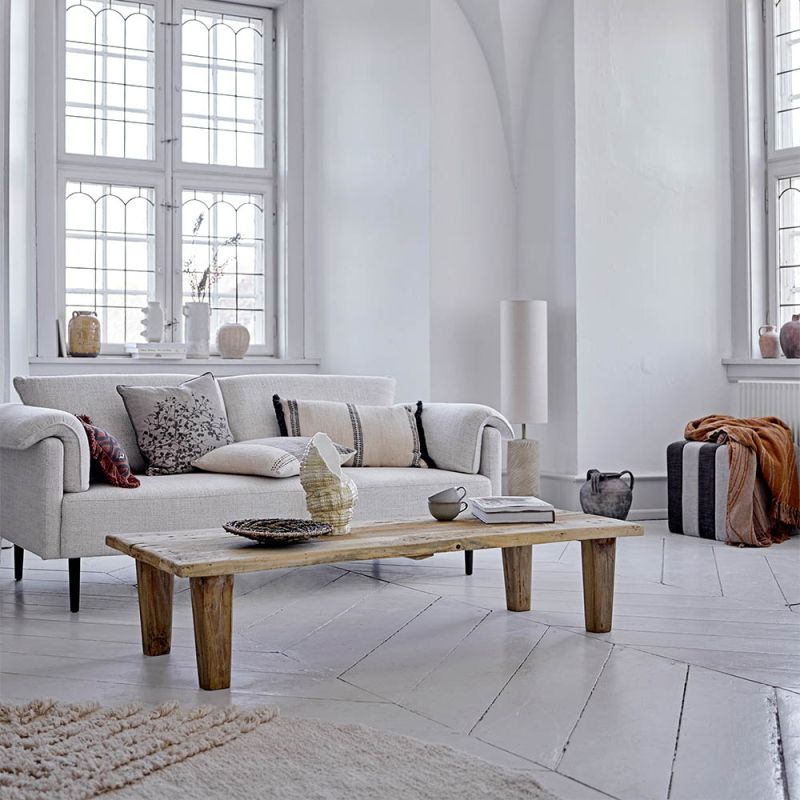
[[546, 227], [367, 112], [5, 376], [472, 215], [21, 240], [652, 230]]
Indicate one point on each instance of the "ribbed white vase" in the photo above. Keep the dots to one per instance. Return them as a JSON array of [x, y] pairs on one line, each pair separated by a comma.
[[233, 339], [197, 329]]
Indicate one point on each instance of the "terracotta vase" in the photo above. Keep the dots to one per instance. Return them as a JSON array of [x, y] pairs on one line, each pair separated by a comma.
[[233, 340], [84, 334], [769, 342], [790, 337]]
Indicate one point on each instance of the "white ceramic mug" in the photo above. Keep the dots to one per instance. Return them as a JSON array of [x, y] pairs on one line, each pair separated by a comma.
[[450, 495], [445, 512]]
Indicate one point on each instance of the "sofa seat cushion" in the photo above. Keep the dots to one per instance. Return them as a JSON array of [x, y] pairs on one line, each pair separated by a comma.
[[203, 500]]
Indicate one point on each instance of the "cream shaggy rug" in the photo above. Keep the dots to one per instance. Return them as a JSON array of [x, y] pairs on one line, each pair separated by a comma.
[[71, 752]]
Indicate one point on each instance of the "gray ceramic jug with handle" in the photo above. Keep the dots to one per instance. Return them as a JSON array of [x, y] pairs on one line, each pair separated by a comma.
[[607, 494]]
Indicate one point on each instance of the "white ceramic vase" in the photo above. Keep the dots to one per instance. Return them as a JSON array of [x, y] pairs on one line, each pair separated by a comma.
[[330, 495], [197, 329], [233, 339], [153, 322]]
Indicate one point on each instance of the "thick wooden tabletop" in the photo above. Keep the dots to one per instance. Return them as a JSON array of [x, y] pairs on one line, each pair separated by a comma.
[[200, 553]]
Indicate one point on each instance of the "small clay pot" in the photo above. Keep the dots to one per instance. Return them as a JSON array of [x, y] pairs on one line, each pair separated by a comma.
[[790, 337], [769, 342], [606, 494], [84, 334]]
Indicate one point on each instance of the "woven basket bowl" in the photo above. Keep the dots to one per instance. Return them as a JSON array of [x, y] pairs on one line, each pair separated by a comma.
[[277, 531]]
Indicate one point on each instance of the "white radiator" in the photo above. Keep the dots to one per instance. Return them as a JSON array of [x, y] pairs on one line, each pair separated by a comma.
[[772, 399]]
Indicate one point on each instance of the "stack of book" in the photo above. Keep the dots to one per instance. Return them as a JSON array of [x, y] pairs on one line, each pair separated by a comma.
[[512, 509], [166, 351]]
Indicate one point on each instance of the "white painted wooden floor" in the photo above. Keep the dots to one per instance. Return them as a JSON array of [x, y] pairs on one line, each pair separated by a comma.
[[695, 695]]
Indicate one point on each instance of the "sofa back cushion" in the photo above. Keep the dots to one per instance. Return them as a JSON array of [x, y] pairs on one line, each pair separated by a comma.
[[97, 397], [248, 398]]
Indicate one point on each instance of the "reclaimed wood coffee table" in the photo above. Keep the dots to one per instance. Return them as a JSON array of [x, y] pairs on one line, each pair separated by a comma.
[[210, 559]]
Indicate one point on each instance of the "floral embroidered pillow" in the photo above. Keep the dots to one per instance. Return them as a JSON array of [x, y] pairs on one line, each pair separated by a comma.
[[108, 458], [175, 425]]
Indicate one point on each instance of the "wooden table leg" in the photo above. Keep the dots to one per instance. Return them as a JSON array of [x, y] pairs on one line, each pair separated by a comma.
[[598, 583], [212, 604], [155, 608], [517, 562]]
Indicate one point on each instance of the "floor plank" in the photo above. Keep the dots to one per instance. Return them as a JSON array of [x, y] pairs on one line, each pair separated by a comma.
[[542, 702], [466, 682], [786, 569], [624, 740], [347, 638], [745, 575], [404, 660], [789, 716], [728, 740]]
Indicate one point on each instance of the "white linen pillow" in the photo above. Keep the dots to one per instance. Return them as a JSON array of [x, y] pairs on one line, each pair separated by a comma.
[[273, 457]]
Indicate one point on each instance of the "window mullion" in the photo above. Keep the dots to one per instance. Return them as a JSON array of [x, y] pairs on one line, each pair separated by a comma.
[[171, 307]]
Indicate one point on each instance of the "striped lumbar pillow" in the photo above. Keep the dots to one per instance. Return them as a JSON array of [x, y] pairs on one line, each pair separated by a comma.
[[382, 436]]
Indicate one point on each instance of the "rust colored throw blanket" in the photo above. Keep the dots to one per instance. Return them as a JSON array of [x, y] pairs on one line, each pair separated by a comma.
[[758, 448]]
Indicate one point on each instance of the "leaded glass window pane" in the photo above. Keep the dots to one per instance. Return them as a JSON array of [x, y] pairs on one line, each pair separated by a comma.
[[110, 255], [223, 256], [788, 248], [110, 78], [222, 91]]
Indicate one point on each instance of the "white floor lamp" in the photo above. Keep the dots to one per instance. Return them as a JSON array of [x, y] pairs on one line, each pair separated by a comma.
[[523, 382]]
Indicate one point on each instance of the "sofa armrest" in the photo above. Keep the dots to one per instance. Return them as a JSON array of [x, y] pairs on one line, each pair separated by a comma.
[[454, 433], [492, 458], [31, 493], [22, 426]]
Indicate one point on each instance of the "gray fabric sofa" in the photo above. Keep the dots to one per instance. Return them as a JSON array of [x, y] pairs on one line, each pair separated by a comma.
[[48, 507]]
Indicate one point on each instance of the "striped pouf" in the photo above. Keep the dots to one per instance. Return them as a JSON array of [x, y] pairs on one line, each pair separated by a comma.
[[697, 489]]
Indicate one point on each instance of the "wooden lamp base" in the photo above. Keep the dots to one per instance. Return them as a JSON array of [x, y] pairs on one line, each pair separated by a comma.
[[523, 468]]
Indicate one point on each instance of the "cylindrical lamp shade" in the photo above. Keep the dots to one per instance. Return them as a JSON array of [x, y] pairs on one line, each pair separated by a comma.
[[523, 360]]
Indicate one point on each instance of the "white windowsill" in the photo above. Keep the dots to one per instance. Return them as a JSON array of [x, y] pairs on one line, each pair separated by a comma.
[[250, 365], [748, 369]]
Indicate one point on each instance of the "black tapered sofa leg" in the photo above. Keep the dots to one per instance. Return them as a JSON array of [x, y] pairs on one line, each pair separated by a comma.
[[74, 584], [468, 562], [19, 554]]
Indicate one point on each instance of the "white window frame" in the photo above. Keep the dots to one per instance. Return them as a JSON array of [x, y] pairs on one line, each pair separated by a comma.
[[280, 180], [223, 182], [267, 172], [780, 163]]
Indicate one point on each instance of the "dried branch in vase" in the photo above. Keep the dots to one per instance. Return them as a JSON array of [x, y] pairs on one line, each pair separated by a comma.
[[201, 282]]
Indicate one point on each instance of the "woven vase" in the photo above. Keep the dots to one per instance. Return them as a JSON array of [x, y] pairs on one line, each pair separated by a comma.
[[330, 495]]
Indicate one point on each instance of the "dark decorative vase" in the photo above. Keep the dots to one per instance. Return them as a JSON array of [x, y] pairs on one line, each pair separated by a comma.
[[607, 494], [790, 337]]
